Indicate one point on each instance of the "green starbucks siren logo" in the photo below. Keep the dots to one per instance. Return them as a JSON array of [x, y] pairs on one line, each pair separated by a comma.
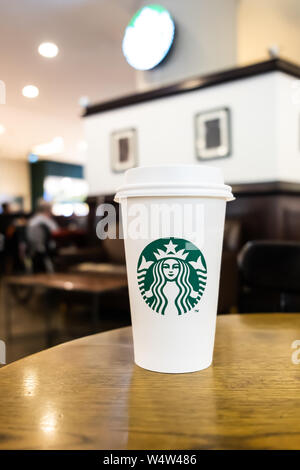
[[171, 275]]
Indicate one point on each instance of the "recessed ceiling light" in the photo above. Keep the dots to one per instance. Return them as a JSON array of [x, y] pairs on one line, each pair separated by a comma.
[[32, 158], [30, 91], [84, 101], [48, 49], [2, 129]]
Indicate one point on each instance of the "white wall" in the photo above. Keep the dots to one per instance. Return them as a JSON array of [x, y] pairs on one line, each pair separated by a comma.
[[14, 179], [288, 128], [166, 132]]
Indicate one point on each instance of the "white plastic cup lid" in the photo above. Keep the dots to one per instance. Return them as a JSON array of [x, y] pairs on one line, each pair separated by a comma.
[[176, 180]]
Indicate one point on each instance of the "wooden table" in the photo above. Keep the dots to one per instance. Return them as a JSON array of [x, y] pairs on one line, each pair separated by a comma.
[[88, 394], [92, 284]]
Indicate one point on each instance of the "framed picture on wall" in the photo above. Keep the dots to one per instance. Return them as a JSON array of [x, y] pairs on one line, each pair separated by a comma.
[[123, 149], [213, 134]]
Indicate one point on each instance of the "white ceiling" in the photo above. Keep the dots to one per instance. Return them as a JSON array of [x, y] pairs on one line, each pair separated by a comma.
[[90, 63]]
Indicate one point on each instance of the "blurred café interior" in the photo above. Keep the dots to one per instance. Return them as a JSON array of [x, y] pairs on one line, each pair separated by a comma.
[[84, 97]]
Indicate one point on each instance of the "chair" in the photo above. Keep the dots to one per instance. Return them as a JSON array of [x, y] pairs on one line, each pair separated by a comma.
[[269, 276]]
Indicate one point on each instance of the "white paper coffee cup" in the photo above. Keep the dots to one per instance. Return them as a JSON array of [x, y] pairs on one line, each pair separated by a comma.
[[173, 221]]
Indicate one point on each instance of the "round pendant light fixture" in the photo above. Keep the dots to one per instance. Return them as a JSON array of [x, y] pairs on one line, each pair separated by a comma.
[[148, 37]]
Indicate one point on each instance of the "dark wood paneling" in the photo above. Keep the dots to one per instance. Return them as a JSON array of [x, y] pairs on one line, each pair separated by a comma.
[[197, 83], [267, 188], [291, 222], [267, 216]]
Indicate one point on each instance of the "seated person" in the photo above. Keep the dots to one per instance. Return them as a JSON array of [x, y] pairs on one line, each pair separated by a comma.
[[43, 216], [41, 226]]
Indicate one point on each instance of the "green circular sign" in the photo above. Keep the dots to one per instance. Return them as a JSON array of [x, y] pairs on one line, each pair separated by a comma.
[[172, 275]]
